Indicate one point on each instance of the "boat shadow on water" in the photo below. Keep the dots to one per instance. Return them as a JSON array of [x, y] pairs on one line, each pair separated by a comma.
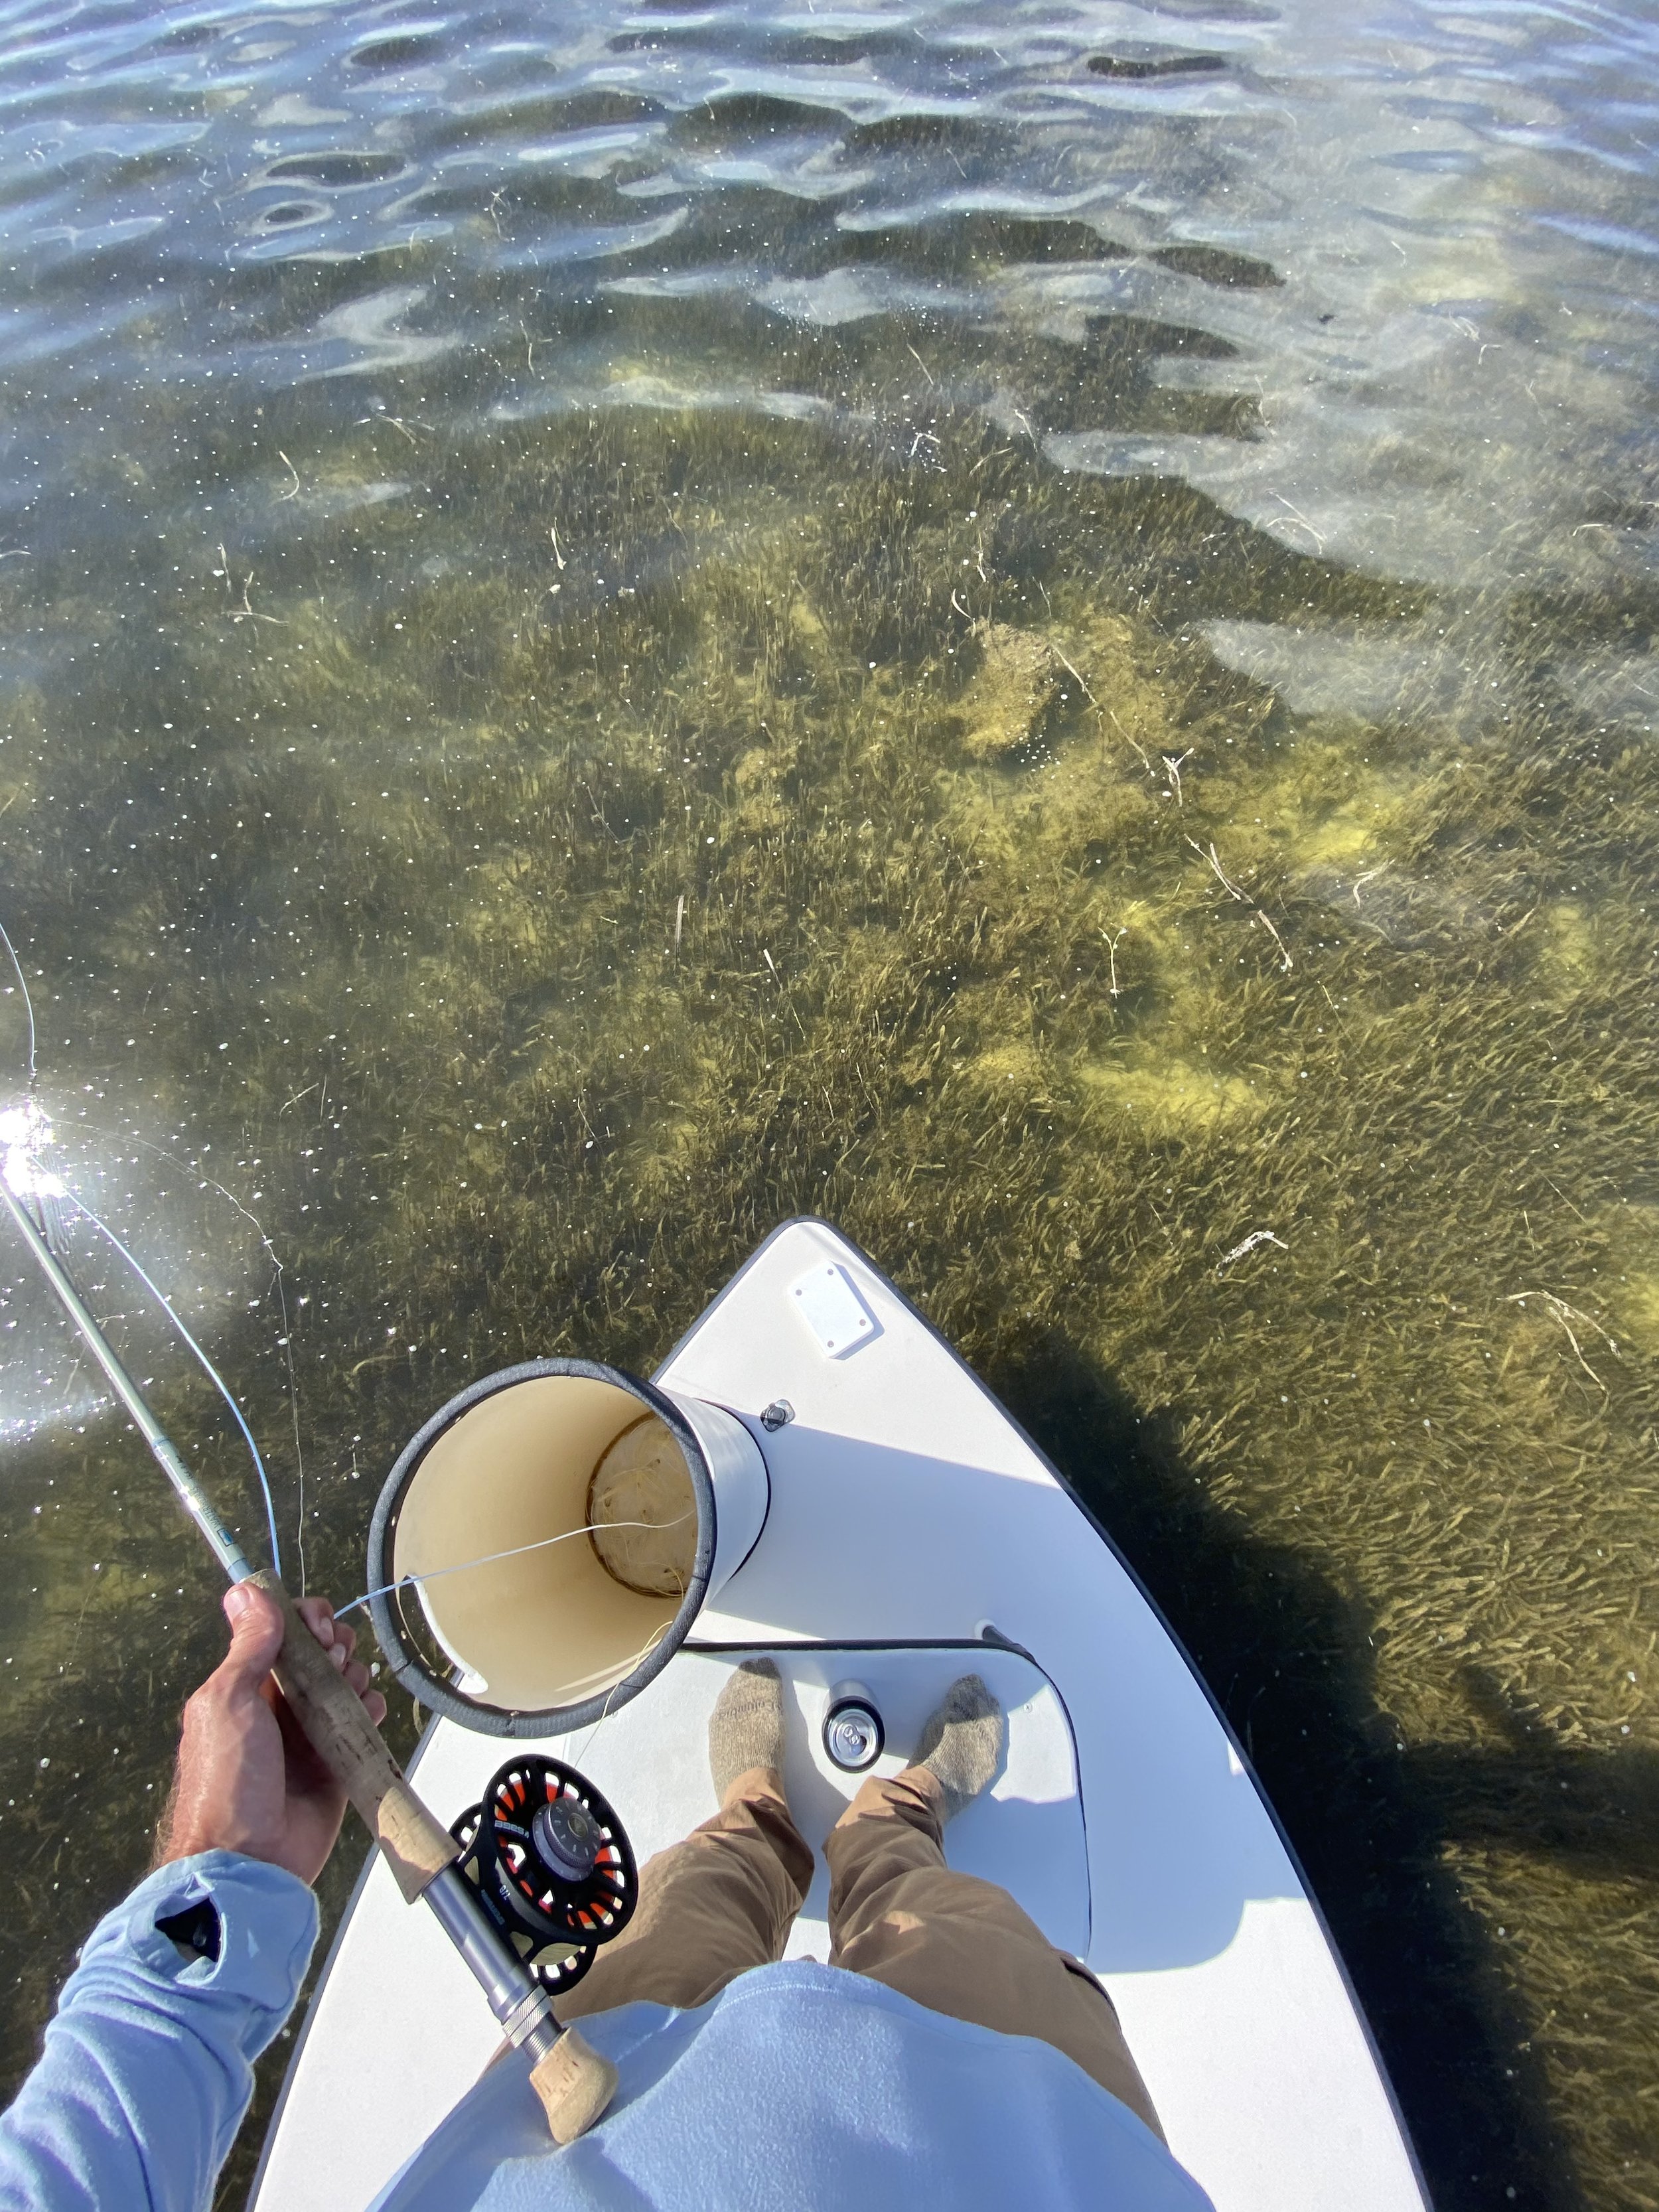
[[1376, 1824]]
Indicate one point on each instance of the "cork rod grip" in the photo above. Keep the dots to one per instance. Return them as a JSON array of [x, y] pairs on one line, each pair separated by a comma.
[[575, 2083], [417, 1848]]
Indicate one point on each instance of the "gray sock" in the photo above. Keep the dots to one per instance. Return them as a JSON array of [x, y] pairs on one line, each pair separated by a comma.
[[963, 1742], [745, 1729]]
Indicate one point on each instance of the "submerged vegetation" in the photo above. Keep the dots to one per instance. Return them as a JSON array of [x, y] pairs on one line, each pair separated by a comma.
[[739, 818]]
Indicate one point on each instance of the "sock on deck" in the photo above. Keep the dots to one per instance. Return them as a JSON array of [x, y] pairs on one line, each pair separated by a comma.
[[745, 1729], [963, 1742]]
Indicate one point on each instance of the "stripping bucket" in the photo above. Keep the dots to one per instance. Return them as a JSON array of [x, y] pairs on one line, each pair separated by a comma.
[[652, 1501]]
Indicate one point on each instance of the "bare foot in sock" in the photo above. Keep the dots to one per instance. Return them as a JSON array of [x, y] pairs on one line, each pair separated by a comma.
[[745, 1729], [963, 1742]]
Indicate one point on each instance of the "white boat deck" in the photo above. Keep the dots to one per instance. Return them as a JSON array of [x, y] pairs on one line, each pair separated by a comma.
[[907, 1511]]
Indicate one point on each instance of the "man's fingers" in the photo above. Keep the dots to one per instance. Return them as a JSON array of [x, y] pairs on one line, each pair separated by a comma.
[[336, 1638], [339, 1640], [256, 1636], [318, 1615]]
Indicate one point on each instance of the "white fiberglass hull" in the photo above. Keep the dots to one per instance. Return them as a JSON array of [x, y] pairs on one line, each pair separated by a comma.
[[911, 1517]]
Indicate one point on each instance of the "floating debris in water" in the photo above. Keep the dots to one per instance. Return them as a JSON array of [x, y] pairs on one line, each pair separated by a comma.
[[1256, 1237]]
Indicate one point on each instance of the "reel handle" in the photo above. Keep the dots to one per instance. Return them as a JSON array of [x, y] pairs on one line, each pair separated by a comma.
[[417, 1846]]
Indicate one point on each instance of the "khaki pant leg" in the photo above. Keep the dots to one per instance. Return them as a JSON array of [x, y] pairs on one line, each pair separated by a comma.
[[959, 1945], [709, 1908]]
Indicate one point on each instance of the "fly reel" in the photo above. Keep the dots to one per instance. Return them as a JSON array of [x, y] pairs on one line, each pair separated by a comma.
[[554, 1871]]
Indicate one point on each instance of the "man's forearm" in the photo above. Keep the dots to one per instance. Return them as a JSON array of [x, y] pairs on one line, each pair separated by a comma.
[[147, 2066]]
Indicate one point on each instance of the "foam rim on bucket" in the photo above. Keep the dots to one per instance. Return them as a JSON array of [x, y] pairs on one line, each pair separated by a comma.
[[555, 1720]]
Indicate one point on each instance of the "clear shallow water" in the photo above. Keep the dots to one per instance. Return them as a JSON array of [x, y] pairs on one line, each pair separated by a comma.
[[1032, 633]]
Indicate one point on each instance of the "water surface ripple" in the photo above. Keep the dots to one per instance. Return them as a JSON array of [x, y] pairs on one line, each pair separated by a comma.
[[1030, 627]]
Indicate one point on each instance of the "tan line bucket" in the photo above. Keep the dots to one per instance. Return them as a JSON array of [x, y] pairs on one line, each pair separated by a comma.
[[605, 1511]]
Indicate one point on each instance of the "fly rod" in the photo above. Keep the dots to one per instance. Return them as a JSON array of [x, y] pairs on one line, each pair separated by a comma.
[[572, 2080]]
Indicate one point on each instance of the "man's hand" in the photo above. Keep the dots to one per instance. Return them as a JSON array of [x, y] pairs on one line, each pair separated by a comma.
[[246, 1779]]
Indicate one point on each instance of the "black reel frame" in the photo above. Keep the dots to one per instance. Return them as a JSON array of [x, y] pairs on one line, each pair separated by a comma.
[[537, 1907]]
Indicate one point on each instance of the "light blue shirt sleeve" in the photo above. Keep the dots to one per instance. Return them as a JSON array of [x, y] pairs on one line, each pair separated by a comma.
[[149, 2061]]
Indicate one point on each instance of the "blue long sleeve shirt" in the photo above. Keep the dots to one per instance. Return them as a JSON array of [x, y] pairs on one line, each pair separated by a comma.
[[798, 2084], [149, 2062]]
